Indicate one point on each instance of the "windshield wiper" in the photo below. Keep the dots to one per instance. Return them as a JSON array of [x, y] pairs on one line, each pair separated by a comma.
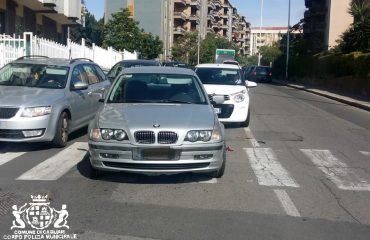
[[175, 101]]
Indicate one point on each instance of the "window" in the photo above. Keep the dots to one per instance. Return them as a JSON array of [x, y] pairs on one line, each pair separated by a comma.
[[78, 75], [91, 74]]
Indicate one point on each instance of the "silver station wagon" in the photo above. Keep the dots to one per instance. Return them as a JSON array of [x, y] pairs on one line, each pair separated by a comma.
[[157, 120], [44, 99]]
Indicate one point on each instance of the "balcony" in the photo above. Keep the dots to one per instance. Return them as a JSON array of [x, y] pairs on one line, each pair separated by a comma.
[[217, 3], [217, 25], [211, 18], [211, 5], [181, 2], [70, 8], [39, 6], [179, 30], [194, 17], [49, 3], [210, 30], [195, 3], [179, 15]]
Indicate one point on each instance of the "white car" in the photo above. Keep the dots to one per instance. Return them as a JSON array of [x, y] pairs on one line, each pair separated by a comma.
[[227, 80]]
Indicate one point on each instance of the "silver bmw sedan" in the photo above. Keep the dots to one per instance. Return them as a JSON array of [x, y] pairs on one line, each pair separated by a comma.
[[157, 120]]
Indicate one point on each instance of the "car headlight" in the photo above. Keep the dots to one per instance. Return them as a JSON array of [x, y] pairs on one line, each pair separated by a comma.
[[198, 135], [36, 111], [216, 135], [119, 134], [239, 98], [116, 134]]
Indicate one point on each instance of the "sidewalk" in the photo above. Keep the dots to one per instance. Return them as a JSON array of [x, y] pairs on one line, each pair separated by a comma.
[[362, 103]]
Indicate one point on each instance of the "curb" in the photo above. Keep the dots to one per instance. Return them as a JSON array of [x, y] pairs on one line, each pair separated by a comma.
[[338, 98]]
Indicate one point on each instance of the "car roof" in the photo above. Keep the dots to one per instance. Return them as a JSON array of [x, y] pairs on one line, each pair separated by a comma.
[[138, 61], [217, 65], [159, 70], [50, 61]]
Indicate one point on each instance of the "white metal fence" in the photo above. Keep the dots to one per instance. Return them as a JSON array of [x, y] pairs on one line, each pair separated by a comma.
[[12, 48]]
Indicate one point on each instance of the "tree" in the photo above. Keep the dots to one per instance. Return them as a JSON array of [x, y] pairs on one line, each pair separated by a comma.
[[92, 32], [212, 42], [122, 32], [185, 49], [270, 53], [357, 37]]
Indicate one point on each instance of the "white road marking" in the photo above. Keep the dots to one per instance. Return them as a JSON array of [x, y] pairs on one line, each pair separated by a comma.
[[251, 137], [268, 170], [58, 165], [7, 157], [212, 180], [99, 236], [287, 203], [365, 153], [338, 172]]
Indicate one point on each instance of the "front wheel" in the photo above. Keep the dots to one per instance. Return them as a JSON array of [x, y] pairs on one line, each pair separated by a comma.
[[246, 122], [62, 131]]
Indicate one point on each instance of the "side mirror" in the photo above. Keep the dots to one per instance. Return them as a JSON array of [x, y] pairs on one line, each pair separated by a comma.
[[250, 84], [80, 86], [218, 99]]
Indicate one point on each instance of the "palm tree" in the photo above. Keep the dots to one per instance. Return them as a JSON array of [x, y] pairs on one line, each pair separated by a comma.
[[357, 37]]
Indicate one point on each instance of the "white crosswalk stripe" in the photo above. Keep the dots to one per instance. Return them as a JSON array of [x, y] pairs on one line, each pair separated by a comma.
[[7, 157], [55, 167], [338, 172], [365, 153], [268, 170], [251, 137]]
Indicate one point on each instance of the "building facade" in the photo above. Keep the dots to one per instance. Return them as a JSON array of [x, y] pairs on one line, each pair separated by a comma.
[[171, 19], [265, 36], [45, 18], [326, 20]]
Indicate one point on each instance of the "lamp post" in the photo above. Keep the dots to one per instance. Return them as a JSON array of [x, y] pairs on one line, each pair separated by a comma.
[[287, 45], [261, 13]]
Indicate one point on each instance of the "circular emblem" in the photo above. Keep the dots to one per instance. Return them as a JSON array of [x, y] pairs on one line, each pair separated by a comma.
[[39, 216], [156, 125]]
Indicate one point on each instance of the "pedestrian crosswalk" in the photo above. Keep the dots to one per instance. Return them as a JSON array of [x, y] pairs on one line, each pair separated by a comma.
[[267, 166]]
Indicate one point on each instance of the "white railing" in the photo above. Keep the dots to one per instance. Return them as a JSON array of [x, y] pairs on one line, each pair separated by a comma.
[[13, 47]]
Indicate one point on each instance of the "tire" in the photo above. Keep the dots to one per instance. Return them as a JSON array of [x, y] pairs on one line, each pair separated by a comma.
[[61, 134], [246, 122], [220, 172]]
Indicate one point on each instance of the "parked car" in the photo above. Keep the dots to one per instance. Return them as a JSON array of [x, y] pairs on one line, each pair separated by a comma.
[[259, 74], [175, 64], [227, 80], [157, 120], [44, 99], [120, 66], [231, 62]]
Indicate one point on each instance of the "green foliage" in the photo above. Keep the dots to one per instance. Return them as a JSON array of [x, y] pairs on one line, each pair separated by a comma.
[[357, 37], [122, 32], [212, 42], [185, 49], [270, 53], [92, 32]]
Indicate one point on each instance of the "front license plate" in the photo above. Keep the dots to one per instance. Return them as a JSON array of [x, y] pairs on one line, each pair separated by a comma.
[[217, 110], [158, 154]]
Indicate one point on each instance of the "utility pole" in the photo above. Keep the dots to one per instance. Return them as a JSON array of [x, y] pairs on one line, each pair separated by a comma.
[[198, 46], [261, 13], [287, 45]]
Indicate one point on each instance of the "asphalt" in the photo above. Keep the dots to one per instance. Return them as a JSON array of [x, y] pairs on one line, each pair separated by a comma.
[[355, 101]]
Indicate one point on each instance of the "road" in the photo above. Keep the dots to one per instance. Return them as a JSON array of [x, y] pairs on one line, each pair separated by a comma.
[[301, 171]]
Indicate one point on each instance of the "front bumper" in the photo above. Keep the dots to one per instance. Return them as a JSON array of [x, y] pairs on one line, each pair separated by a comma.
[[11, 130], [239, 112], [124, 157]]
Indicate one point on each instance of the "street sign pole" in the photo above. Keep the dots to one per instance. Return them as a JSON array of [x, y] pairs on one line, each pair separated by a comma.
[[287, 45]]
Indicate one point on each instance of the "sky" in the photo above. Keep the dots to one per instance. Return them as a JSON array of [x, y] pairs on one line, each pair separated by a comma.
[[275, 12]]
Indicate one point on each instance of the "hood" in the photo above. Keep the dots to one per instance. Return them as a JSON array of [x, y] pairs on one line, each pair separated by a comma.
[[144, 116], [223, 89], [28, 96]]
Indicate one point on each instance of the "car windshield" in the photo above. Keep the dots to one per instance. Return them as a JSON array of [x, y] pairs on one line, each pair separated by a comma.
[[157, 88], [220, 76], [117, 69], [34, 75]]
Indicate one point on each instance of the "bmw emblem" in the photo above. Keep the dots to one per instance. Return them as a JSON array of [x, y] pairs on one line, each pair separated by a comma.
[[156, 125]]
